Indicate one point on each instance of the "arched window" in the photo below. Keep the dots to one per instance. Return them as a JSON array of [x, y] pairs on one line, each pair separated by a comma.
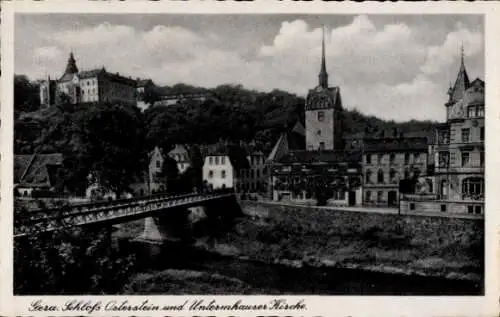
[[473, 188], [380, 176], [368, 176]]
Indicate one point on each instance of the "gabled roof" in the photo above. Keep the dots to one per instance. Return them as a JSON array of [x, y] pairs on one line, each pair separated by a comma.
[[37, 170], [289, 140]]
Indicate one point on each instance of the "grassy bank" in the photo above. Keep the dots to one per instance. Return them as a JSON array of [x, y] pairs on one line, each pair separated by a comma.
[[433, 246]]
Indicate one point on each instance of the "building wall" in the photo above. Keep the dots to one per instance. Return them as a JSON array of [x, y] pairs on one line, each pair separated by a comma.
[[442, 206], [393, 166], [318, 131], [155, 166], [90, 89], [116, 91], [218, 171], [256, 177], [181, 156]]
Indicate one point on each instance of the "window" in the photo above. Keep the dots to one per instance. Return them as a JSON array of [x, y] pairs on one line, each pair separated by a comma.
[[465, 135], [481, 158], [368, 159], [210, 160], [443, 159], [368, 176], [481, 134], [465, 158], [470, 209], [216, 160], [379, 196], [223, 174], [480, 111], [318, 132], [392, 175], [368, 196], [380, 176], [407, 158], [380, 158], [472, 112], [210, 174], [412, 206], [443, 208], [321, 116], [223, 160], [478, 209], [473, 188], [321, 145], [158, 164], [392, 158]]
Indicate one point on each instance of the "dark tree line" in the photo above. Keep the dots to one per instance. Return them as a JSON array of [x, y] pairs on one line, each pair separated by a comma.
[[111, 142]]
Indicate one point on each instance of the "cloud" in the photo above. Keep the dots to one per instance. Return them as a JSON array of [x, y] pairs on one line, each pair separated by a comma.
[[441, 56], [389, 70]]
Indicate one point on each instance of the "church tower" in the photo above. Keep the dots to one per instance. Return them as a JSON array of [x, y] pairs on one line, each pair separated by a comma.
[[323, 112]]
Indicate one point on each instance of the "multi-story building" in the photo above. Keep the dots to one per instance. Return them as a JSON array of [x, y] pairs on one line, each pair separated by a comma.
[[458, 152], [255, 178], [89, 86], [222, 167], [386, 161], [156, 160]]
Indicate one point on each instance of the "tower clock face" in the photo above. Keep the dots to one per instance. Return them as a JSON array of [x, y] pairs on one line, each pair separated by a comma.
[[457, 111]]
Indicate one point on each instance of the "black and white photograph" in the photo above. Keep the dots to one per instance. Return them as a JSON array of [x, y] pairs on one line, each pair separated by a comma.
[[249, 154]]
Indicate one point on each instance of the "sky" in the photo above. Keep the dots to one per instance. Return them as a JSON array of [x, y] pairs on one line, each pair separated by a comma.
[[396, 67]]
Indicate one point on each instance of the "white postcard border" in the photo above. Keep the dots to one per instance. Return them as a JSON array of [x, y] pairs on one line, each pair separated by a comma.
[[316, 305]]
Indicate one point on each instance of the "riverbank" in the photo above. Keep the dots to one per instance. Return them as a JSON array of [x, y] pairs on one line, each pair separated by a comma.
[[378, 253], [408, 245]]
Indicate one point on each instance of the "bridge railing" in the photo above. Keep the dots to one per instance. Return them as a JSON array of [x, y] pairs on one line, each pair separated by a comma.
[[64, 217]]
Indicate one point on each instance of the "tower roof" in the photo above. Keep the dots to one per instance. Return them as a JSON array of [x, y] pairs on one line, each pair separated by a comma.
[[462, 82], [71, 66], [323, 75]]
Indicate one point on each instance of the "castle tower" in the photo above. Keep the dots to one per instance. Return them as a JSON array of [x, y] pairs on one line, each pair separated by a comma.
[[323, 112], [71, 65]]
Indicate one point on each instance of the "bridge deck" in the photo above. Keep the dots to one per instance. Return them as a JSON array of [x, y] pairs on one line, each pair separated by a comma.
[[113, 211]]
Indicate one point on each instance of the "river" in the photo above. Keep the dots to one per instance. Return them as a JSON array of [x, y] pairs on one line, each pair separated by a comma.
[[263, 278]]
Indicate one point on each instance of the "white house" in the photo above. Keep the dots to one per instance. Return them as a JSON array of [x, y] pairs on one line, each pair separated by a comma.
[[222, 170]]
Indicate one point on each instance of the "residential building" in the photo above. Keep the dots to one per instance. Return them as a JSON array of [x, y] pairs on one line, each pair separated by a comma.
[[180, 154], [386, 161], [458, 152], [222, 167], [36, 172], [255, 178], [156, 159], [90, 86]]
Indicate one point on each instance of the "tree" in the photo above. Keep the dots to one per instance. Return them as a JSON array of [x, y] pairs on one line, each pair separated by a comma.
[[26, 95]]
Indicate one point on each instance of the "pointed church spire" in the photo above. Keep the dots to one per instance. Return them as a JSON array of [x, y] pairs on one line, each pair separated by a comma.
[[462, 82], [323, 75], [71, 66]]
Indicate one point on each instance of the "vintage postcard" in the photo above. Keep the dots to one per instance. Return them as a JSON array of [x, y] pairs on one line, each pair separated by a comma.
[[241, 159]]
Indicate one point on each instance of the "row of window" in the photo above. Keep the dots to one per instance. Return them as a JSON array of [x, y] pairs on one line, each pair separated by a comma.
[[378, 158], [179, 157], [216, 160], [392, 175], [253, 173], [466, 161], [466, 135], [222, 174], [476, 112]]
